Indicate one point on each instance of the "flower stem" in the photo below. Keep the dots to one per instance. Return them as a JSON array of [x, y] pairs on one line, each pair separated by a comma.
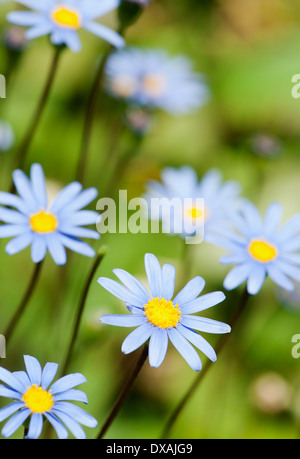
[[178, 409], [98, 260], [25, 145], [122, 397], [25, 300]]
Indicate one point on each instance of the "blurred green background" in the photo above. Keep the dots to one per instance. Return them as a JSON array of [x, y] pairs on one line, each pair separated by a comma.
[[249, 50]]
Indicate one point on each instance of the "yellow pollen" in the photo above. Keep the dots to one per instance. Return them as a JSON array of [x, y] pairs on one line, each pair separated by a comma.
[[162, 313], [37, 399], [195, 213], [43, 222], [154, 85], [123, 86], [262, 251], [66, 17]]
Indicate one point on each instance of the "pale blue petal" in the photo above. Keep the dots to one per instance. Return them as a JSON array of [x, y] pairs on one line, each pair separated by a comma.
[[256, 279], [72, 425], [38, 184], [56, 248], [10, 409], [12, 216], [272, 218], [153, 271], [34, 369], [237, 276], [76, 413], [72, 394], [168, 273], [198, 341], [67, 382], [66, 196], [105, 33], [137, 338], [123, 320], [121, 292], [38, 248], [19, 243], [15, 422], [59, 428], [11, 380], [48, 374], [205, 325], [158, 346], [192, 289], [280, 278], [134, 285], [203, 302], [9, 393], [35, 426], [185, 349], [77, 246]]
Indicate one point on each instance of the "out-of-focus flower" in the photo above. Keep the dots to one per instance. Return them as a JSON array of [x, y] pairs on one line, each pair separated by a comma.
[[14, 39], [34, 399], [7, 136], [271, 393], [219, 199], [138, 120], [138, 2], [151, 78], [261, 248], [159, 317], [46, 227], [63, 19], [266, 145]]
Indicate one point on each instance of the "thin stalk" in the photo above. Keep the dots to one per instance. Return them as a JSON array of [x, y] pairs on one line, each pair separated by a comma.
[[27, 140], [24, 302], [178, 409], [123, 395], [80, 309]]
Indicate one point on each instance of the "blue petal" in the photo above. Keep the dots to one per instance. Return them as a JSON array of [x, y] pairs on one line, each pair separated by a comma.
[[77, 246], [256, 279], [67, 382], [9, 393], [76, 413], [124, 320], [168, 273], [38, 248], [72, 425], [121, 292], [49, 372], [38, 184], [106, 33], [134, 285], [203, 324], [35, 426], [10, 409], [198, 341], [185, 349], [154, 275], [237, 276], [71, 394], [56, 249], [192, 289], [203, 302], [34, 369], [11, 380], [66, 196], [158, 346], [15, 422], [19, 243], [60, 429], [137, 338]]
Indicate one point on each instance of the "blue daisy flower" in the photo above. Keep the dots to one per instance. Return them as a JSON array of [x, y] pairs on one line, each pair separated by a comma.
[[47, 227], [159, 318], [34, 399], [204, 206], [261, 248], [151, 78], [62, 19]]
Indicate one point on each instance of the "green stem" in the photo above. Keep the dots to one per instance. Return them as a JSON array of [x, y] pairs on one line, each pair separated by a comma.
[[24, 302], [81, 306], [123, 395], [25, 145], [178, 409]]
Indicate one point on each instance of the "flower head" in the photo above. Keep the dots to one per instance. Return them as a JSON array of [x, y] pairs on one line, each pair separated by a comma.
[[34, 399], [204, 205], [260, 248], [154, 79], [160, 316], [62, 19], [47, 227]]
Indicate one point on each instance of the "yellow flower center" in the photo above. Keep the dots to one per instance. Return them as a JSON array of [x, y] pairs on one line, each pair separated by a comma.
[[262, 251], [154, 85], [162, 313], [123, 86], [196, 213], [38, 400], [66, 17], [43, 222]]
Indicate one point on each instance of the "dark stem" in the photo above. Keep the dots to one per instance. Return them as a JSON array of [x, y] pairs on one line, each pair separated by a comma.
[[80, 310], [238, 311], [122, 397], [25, 300], [24, 147]]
